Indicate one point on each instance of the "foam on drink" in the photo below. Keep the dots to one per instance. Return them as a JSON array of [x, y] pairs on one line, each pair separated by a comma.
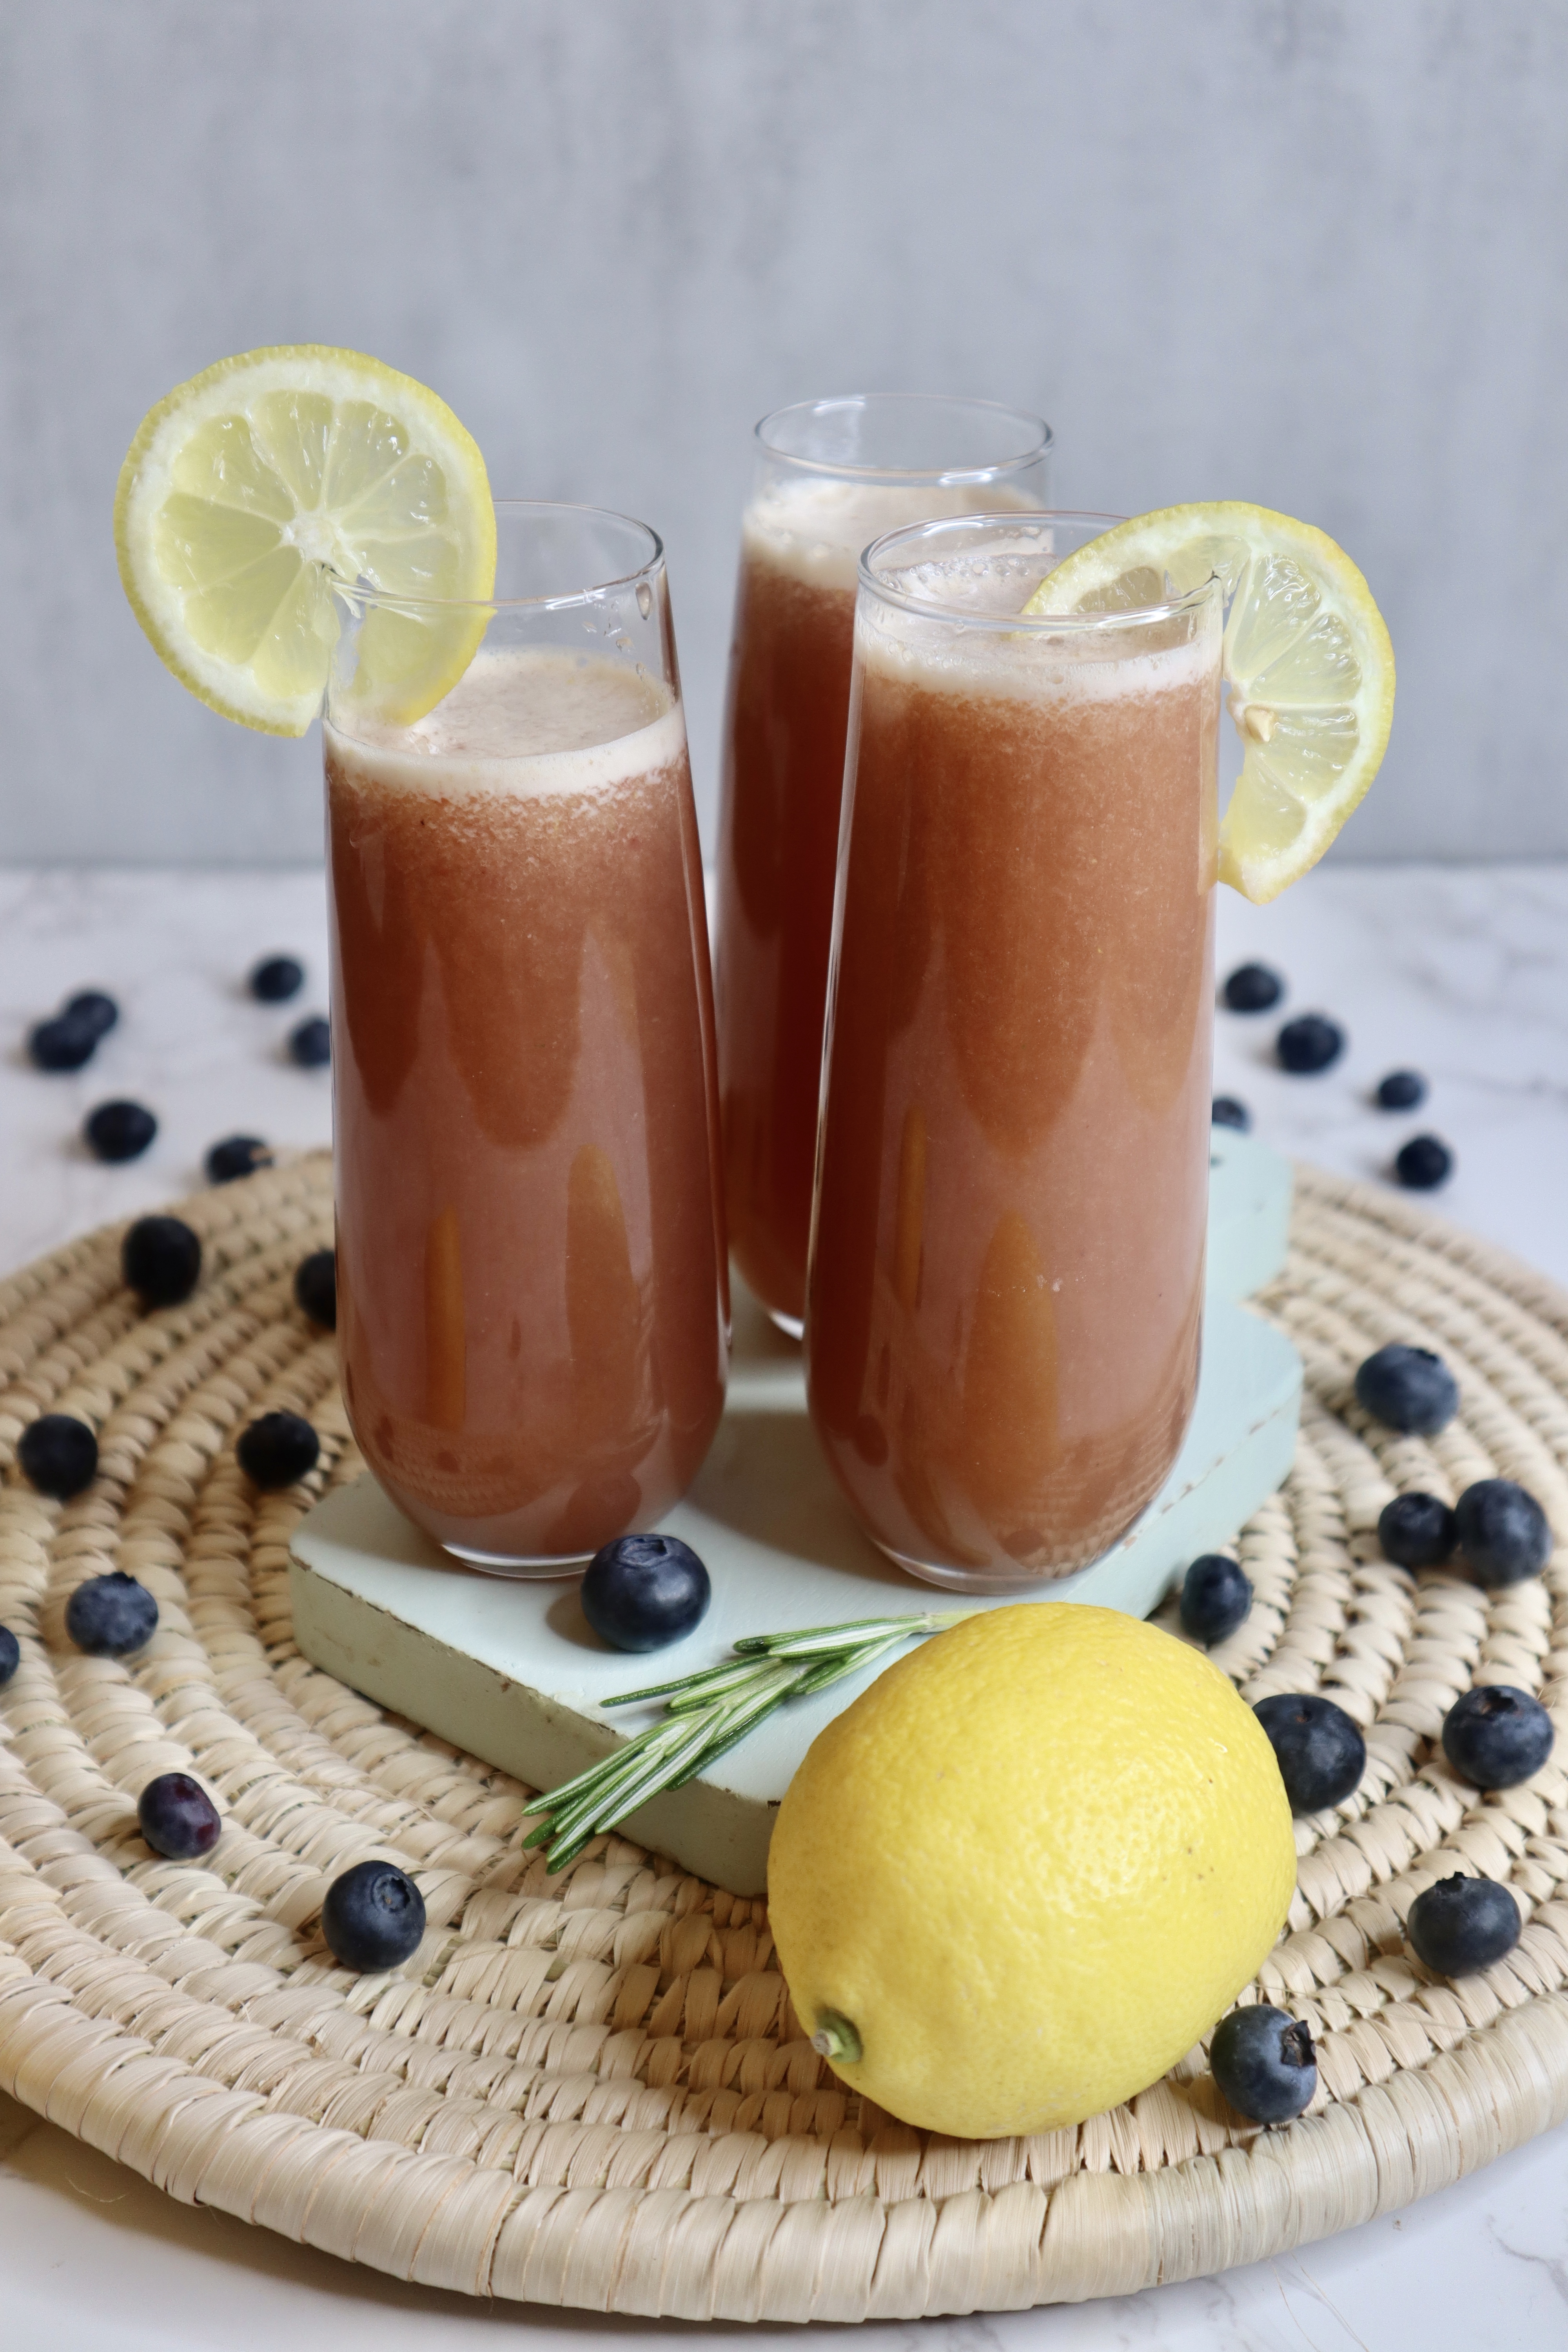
[[815, 530], [527, 721]]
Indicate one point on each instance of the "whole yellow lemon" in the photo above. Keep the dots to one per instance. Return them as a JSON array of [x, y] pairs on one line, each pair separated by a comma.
[[1021, 1875]]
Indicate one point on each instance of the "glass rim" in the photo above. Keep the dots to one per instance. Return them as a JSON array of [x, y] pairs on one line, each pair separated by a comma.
[[357, 593], [934, 476], [932, 608]]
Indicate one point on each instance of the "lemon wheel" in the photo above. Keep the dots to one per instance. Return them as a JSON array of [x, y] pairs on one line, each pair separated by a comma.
[[262, 485], [1309, 668]]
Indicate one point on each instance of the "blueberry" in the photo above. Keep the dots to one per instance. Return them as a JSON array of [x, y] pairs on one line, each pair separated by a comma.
[[1320, 1751], [1310, 1042], [641, 1592], [1409, 1388], [1503, 1532], [1423, 1163], [119, 1130], [10, 1654], [1227, 1112], [1497, 1736], [62, 1044], [161, 1259], [316, 1287], [100, 1012], [59, 1454], [374, 1917], [278, 1449], [311, 1045], [109, 1616], [238, 1155], [1417, 1531], [1253, 988], [1461, 1924], [1401, 1090], [275, 978], [1264, 2063], [177, 1817], [1215, 1597]]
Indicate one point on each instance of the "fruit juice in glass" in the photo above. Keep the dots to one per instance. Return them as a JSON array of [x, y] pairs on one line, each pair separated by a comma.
[[532, 1288], [1005, 1291], [832, 475]]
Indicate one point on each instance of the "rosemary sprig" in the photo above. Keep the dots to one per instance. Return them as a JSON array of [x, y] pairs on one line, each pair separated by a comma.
[[705, 1714]]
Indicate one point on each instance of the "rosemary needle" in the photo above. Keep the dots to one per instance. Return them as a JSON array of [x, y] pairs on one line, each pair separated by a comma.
[[705, 1715]]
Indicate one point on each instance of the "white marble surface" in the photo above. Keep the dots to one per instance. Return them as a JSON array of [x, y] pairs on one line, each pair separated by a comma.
[[1463, 974]]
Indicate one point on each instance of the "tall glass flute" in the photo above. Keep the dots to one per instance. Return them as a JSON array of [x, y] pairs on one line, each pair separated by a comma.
[[534, 1309], [1007, 1256], [830, 476]]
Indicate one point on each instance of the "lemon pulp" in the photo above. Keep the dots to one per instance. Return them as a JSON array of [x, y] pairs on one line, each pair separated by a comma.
[[253, 491], [1307, 662]]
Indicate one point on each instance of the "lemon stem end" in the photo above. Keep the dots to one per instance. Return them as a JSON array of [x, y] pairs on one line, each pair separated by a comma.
[[836, 2039]]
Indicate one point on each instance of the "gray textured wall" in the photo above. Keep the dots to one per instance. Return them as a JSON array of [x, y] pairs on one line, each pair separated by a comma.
[[1310, 252]]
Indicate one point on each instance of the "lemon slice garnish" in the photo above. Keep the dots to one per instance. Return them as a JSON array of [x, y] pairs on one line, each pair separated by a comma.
[[257, 488], [1307, 663]]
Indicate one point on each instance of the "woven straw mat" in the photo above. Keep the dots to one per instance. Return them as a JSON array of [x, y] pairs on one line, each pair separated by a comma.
[[592, 2089]]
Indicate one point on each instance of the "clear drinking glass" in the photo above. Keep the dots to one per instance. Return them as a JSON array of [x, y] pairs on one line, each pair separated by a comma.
[[533, 1289], [831, 475], [1007, 1254]]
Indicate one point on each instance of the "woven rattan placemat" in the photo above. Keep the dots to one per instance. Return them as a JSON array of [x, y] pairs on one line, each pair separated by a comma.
[[592, 2090]]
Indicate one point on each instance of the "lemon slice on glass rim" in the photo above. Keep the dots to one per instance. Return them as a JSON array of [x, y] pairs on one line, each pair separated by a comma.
[[259, 496], [1308, 666]]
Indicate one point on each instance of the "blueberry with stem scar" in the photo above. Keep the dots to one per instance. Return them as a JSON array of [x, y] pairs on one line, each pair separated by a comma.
[[374, 1917], [1496, 1735], [1263, 2062], [641, 1592]]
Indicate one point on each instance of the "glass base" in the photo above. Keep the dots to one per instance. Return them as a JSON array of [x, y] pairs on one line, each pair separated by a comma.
[[500, 1563], [979, 1579], [790, 1325]]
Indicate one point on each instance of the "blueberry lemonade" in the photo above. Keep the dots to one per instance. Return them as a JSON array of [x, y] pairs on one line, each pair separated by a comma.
[[530, 1287], [1004, 1303]]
